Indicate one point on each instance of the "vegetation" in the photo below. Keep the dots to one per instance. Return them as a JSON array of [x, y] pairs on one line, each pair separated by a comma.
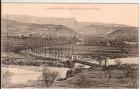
[[74, 71], [128, 71], [31, 41], [33, 62], [49, 77], [42, 40]]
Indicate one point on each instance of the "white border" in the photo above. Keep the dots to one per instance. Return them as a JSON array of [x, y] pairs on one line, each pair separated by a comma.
[[76, 1]]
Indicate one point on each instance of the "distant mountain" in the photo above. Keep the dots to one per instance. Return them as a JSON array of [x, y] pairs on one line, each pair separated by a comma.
[[96, 30], [90, 28], [129, 34], [18, 27], [69, 22], [103, 29]]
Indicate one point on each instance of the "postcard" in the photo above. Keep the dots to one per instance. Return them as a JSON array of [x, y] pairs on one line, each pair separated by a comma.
[[70, 45]]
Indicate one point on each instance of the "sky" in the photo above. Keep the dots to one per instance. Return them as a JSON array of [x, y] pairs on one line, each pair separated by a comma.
[[104, 13]]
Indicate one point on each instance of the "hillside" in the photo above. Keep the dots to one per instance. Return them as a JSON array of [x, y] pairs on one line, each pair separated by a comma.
[[92, 28], [69, 22], [103, 29], [129, 34], [18, 27]]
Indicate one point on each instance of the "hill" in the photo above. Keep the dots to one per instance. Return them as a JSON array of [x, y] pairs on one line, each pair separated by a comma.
[[101, 29], [69, 22], [18, 27], [127, 34], [93, 28]]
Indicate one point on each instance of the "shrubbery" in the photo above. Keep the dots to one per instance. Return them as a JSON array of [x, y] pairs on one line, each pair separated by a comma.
[[49, 77], [25, 62]]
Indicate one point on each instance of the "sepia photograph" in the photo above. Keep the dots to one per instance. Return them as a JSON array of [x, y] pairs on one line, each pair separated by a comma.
[[57, 45]]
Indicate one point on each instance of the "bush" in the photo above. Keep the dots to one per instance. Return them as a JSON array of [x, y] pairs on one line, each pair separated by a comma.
[[49, 77], [32, 62]]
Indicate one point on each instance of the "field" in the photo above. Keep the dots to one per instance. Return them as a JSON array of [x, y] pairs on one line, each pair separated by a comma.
[[91, 51], [122, 77], [96, 79], [88, 78], [33, 60], [21, 76]]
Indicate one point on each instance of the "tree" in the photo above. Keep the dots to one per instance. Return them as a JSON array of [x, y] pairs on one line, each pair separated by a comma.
[[49, 77]]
